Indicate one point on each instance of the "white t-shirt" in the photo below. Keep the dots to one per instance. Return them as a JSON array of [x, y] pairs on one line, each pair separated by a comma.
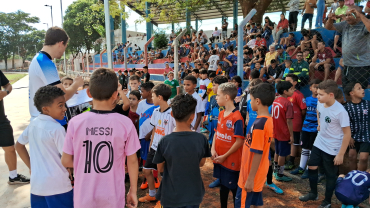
[[216, 33], [199, 108], [46, 139], [213, 62], [251, 43], [164, 124], [42, 72], [145, 111], [332, 120]]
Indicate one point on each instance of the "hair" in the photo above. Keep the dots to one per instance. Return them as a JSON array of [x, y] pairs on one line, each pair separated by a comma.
[[292, 34], [231, 48], [329, 86], [206, 64], [85, 84], [136, 93], [238, 80], [300, 52], [349, 88], [195, 70], [183, 106], [315, 81], [192, 79], [66, 78], [203, 71], [321, 41], [162, 90], [255, 74], [265, 92], [55, 35], [134, 77], [145, 67], [255, 82], [283, 86], [293, 76], [119, 71], [273, 61], [259, 36], [228, 89], [103, 83], [171, 72], [147, 86], [212, 75], [46, 95], [220, 79], [338, 94], [182, 63]]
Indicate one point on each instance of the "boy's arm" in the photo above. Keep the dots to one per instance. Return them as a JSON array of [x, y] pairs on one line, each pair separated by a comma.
[[199, 118], [238, 143], [318, 120], [213, 149], [67, 160], [125, 100], [338, 160], [149, 135], [254, 167], [133, 171], [23, 154], [178, 90], [151, 138], [290, 127]]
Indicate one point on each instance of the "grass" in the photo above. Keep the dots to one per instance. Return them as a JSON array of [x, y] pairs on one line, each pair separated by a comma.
[[14, 77]]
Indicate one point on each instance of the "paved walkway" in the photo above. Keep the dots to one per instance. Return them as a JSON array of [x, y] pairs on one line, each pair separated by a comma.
[[16, 108]]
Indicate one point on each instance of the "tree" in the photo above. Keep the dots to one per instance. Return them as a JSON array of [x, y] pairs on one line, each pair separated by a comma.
[[29, 42], [160, 40]]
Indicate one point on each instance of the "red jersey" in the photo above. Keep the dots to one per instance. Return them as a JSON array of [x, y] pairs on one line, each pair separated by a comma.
[[299, 104], [228, 128], [261, 42], [282, 110], [322, 56], [133, 116], [258, 142]]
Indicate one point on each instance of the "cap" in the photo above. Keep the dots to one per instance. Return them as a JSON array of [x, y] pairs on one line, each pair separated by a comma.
[[279, 47]]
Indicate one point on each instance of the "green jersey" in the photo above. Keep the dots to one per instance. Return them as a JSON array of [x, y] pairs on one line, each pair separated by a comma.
[[174, 84]]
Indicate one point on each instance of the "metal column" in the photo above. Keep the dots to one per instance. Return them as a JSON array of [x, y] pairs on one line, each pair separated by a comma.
[[176, 55], [108, 34], [196, 24], [188, 19], [148, 24], [235, 12], [123, 30]]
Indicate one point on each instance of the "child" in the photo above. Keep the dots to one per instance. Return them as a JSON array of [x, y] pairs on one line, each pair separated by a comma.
[[210, 92], [101, 135], [173, 84], [134, 82], [191, 149], [123, 108], [204, 82], [190, 83], [309, 130], [353, 188], [255, 157], [331, 142], [195, 73], [122, 79], [237, 81], [228, 141], [299, 108], [358, 110], [50, 184], [134, 98], [219, 69], [282, 114], [67, 82], [146, 75], [255, 74], [163, 124]]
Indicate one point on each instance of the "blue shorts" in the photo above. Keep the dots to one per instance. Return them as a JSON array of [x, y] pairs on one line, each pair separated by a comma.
[[227, 177], [245, 200], [144, 148], [282, 148], [64, 200]]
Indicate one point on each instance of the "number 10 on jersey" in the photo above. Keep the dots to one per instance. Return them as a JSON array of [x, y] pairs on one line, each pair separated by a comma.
[[95, 156]]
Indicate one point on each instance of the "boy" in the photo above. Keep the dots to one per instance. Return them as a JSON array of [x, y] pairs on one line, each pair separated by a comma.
[[255, 157], [299, 108], [101, 135], [190, 83], [146, 75], [163, 124], [282, 114], [179, 146], [358, 111], [134, 82], [255, 74], [195, 73], [331, 142], [309, 130], [219, 69], [210, 92], [67, 82], [227, 143], [122, 79], [173, 84], [49, 179], [204, 82]]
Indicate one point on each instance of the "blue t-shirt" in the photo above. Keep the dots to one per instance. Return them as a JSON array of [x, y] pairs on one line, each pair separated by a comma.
[[234, 60], [252, 115], [310, 122], [355, 186], [240, 91]]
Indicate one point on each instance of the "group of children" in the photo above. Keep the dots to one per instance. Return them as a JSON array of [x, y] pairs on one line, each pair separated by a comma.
[[158, 127]]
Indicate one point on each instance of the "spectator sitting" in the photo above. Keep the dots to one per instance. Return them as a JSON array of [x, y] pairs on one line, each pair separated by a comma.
[[260, 42], [215, 35], [202, 37], [166, 70], [270, 56], [136, 48], [250, 45], [326, 61], [170, 54], [259, 57], [257, 30], [288, 42], [218, 50], [272, 71], [306, 43], [170, 43], [307, 55], [268, 28], [281, 56], [172, 35], [234, 33], [227, 44], [282, 27], [299, 68]]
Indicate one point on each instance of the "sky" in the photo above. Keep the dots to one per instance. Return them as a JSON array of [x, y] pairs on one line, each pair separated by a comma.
[[37, 8]]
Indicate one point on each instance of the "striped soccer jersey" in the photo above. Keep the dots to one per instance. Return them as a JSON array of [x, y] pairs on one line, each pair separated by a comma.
[[163, 123]]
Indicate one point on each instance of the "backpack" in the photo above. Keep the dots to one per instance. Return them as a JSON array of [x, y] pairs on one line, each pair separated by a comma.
[[243, 104]]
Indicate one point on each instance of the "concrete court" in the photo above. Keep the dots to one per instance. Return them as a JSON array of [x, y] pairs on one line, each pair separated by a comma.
[[16, 108]]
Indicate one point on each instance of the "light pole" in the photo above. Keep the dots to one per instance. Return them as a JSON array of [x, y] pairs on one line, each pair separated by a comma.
[[35, 48], [51, 9], [47, 25]]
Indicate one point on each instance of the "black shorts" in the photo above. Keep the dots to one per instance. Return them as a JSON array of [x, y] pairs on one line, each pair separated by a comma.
[[322, 68], [297, 138], [293, 17], [149, 160], [307, 139], [282, 148], [362, 147], [6, 132]]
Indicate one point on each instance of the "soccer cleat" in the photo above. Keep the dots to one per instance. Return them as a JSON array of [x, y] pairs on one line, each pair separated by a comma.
[[147, 198], [20, 179], [305, 174], [283, 178], [321, 178], [144, 185], [289, 166], [156, 183], [215, 183], [308, 197], [158, 205], [324, 204], [274, 188], [275, 174], [203, 130], [298, 170]]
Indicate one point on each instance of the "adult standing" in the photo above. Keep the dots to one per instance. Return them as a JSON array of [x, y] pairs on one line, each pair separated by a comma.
[[307, 12], [224, 29], [6, 138], [293, 14], [42, 70], [281, 28], [320, 13], [355, 45]]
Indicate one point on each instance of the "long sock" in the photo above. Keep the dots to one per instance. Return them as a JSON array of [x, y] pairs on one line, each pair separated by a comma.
[[269, 175], [276, 167], [291, 159], [224, 195], [13, 174], [234, 194], [313, 177], [281, 170], [304, 158], [152, 193]]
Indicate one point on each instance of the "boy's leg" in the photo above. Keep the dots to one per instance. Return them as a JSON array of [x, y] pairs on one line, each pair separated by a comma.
[[38, 201], [331, 172], [352, 155], [294, 149], [364, 149], [148, 167], [224, 196], [64, 200]]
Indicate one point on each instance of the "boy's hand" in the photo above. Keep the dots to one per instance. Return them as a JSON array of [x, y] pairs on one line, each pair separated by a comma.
[[214, 154], [131, 201], [119, 88], [291, 140], [341, 176], [220, 159], [238, 99], [318, 127], [338, 160], [248, 187], [79, 80], [351, 143]]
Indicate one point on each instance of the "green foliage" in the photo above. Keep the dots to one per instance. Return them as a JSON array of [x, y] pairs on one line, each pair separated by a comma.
[[29, 41], [160, 40]]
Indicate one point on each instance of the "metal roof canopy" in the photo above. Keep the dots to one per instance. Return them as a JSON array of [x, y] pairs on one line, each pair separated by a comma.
[[217, 10]]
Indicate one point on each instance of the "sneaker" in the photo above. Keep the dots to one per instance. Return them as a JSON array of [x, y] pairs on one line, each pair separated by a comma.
[[203, 130], [324, 204], [156, 183], [283, 178], [305, 174], [20, 179], [274, 174], [147, 198], [298, 170], [289, 166], [308, 197], [275, 188], [158, 205], [321, 178], [144, 185], [215, 183]]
